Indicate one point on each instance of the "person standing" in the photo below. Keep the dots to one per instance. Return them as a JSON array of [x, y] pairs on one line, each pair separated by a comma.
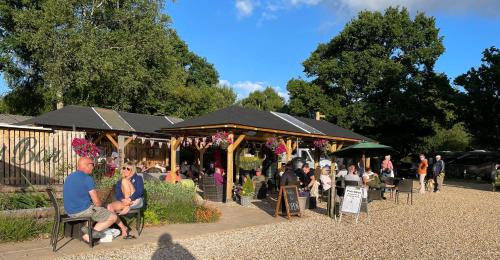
[[387, 167], [438, 173], [422, 172]]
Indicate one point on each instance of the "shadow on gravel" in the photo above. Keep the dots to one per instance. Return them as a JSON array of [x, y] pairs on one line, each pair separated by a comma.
[[169, 250], [468, 185]]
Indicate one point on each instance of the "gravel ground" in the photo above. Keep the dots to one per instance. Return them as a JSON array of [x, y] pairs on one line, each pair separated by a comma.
[[457, 223]]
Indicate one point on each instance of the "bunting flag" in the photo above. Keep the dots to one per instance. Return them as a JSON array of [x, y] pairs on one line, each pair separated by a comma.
[[160, 144], [168, 145], [152, 142], [134, 137], [143, 140]]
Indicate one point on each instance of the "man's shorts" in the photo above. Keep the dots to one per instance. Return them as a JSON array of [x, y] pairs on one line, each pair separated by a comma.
[[137, 204], [98, 214]]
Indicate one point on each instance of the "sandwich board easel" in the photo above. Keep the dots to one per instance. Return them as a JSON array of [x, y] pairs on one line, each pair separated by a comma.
[[351, 204]]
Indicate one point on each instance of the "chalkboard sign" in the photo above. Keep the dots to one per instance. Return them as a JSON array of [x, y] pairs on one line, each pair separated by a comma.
[[352, 200], [290, 195]]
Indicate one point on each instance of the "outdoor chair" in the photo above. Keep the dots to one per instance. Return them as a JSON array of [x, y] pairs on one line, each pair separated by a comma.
[[211, 191], [391, 184], [405, 186], [352, 183], [138, 214], [65, 219], [260, 190]]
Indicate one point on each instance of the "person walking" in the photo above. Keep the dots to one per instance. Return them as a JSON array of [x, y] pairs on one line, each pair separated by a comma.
[[438, 173], [422, 171]]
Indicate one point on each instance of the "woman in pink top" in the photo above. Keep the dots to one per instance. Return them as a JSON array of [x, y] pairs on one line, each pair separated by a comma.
[[219, 180], [387, 167]]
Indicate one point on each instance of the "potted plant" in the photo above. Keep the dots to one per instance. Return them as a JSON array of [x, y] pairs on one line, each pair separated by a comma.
[[221, 140], [275, 146], [247, 192]]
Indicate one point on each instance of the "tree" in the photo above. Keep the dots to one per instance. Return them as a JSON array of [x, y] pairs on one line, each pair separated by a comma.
[[267, 100], [115, 54], [481, 101], [379, 74]]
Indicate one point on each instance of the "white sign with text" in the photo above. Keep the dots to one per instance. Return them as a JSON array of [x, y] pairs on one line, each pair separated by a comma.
[[352, 200]]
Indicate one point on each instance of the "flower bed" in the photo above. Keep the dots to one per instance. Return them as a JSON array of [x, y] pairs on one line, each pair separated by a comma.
[[172, 203]]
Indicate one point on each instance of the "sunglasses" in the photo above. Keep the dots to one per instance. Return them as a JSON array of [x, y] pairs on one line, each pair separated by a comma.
[[126, 168]]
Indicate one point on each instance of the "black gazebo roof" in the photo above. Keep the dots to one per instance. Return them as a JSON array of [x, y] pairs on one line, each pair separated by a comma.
[[102, 119], [247, 119]]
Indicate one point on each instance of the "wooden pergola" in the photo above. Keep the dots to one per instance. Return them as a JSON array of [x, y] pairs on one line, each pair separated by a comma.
[[117, 127], [256, 126]]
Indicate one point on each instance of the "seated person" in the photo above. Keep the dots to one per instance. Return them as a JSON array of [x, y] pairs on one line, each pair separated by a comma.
[[175, 177], [81, 200], [218, 175], [352, 175], [372, 180], [129, 192], [342, 171], [325, 179], [259, 184]]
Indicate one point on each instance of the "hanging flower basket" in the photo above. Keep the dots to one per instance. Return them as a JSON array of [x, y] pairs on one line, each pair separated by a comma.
[[322, 144], [221, 140], [85, 148], [275, 146]]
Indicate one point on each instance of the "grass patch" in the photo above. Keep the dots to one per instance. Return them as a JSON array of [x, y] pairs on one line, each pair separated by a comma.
[[18, 229], [23, 201]]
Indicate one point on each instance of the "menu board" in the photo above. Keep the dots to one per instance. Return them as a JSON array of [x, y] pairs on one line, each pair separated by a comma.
[[352, 200], [290, 195]]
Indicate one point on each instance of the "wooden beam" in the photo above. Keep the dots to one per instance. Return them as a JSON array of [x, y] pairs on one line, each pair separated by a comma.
[[230, 164], [236, 143], [99, 138], [112, 140], [267, 130], [289, 150], [129, 139], [339, 145]]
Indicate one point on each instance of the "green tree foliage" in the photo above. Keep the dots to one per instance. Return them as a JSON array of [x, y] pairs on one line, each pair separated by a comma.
[[267, 100], [457, 138], [379, 75], [481, 102], [116, 54]]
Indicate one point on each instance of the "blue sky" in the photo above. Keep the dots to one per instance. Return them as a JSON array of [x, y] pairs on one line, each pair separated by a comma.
[[260, 43]]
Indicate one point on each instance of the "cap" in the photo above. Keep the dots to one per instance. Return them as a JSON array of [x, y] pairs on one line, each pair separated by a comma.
[[114, 155]]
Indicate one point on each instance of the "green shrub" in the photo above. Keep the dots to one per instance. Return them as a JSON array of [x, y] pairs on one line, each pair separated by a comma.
[[171, 203], [23, 201], [18, 229], [247, 189]]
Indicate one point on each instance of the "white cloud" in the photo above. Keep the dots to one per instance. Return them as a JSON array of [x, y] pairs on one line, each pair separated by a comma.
[[347, 8], [244, 7], [453, 7], [243, 88]]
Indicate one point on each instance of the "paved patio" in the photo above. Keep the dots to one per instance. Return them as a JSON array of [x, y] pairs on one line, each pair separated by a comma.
[[233, 217]]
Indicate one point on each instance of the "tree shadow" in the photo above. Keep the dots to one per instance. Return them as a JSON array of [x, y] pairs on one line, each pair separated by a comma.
[[468, 185], [167, 249]]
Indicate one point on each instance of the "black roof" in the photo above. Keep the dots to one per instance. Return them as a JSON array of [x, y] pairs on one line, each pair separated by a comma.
[[90, 118], [333, 130], [269, 120], [240, 116], [12, 119]]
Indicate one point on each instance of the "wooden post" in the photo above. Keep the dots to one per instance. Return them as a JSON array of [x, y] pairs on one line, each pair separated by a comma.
[[121, 150], [230, 155], [201, 150], [289, 149], [174, 144], [112, 140]]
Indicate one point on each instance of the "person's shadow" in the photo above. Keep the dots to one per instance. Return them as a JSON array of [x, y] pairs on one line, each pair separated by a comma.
[[169, 250]]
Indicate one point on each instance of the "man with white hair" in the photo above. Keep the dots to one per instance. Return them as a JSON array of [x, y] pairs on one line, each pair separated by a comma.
[[438, 173]]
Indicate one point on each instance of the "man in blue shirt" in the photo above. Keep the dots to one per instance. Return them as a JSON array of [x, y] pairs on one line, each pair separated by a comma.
[[81, 200]]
